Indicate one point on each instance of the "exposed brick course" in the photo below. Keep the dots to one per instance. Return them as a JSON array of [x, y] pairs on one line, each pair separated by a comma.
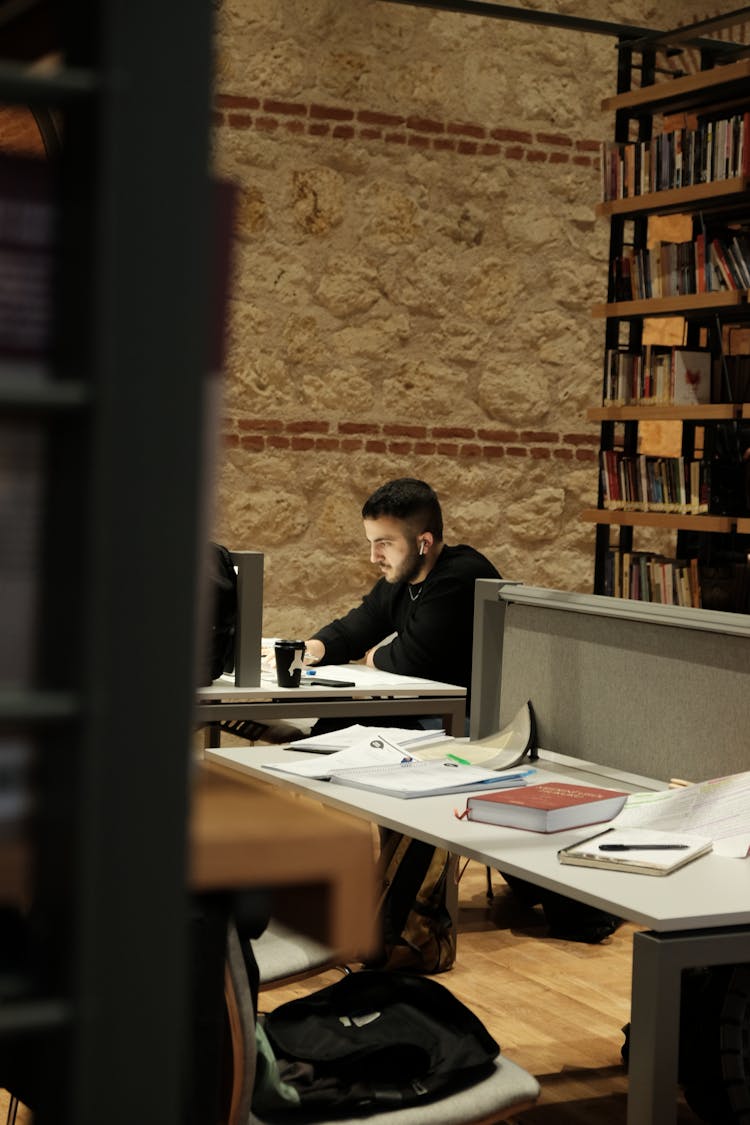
[[413, 130]]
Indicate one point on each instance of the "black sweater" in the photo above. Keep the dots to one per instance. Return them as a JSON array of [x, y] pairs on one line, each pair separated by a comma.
[[434, 630]]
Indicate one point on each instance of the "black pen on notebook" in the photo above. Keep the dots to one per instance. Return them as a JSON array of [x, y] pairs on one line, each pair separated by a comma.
[[642, 847]]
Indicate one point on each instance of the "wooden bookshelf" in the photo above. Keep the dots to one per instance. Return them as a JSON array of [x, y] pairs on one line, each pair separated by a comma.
[[107, 721], [707, 412], [724, 81], [667, 520], [676, 199], [682, 305]]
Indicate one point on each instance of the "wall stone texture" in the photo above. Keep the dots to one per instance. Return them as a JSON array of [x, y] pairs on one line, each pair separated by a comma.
[[415, 260]]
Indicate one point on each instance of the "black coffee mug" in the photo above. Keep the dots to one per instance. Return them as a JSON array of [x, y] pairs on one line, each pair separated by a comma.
[[289, 656]]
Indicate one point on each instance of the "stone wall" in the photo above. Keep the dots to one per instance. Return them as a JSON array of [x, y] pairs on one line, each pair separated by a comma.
[[415, 260]]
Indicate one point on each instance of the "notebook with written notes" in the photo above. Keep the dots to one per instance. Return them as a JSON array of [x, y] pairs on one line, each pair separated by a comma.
[[638, 850]]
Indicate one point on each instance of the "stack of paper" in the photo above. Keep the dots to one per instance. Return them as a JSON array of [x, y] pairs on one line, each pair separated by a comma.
[[426, 779], [373, 750], [375, 762], [404, 738]]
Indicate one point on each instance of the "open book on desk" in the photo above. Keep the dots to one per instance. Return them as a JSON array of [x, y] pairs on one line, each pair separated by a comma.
[[427, 779], [380, 765]]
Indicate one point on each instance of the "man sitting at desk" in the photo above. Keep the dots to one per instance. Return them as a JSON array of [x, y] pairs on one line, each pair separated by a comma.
[[418, 618]]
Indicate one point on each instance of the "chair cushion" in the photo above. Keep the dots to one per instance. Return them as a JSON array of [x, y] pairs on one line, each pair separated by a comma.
[[281, 952], [507, 1086]]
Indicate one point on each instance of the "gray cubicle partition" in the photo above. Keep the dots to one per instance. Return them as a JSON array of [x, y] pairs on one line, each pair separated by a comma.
[[247, 641], [661, 691]]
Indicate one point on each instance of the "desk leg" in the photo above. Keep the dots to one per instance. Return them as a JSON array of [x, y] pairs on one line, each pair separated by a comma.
[[211, 736], [654, 1035], [658, 962], [454, 719]]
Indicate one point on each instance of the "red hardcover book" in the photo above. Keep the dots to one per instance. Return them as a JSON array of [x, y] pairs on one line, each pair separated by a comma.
[[548, 807]]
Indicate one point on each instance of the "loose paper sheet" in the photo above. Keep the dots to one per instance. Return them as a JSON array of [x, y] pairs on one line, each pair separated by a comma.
[[718, 809]]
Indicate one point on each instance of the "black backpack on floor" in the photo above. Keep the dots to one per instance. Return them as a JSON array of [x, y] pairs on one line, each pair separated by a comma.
[[378, 1040]]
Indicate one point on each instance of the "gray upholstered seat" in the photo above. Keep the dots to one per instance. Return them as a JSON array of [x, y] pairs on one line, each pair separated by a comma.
[[284, 954]]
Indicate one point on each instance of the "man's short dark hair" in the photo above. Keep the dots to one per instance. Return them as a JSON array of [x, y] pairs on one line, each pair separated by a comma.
[[407, 499]]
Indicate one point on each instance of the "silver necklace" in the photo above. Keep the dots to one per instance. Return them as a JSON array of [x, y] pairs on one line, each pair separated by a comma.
[[412, 595]]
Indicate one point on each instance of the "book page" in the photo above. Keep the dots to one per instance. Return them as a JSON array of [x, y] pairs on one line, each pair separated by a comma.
[[406, 738], [718, 809], [366, 752], [500, 751], [416, 778]]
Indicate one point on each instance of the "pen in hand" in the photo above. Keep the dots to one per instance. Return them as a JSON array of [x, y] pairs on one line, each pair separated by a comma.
[[641, 847]]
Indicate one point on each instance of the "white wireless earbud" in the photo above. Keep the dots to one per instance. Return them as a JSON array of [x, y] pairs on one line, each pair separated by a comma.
[[421, 547]]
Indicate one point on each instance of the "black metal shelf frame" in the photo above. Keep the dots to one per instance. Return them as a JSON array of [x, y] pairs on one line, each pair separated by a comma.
[[111, 721]]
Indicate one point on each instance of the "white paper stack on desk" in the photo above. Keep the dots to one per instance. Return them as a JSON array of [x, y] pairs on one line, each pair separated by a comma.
[[427, 779], [404, 738], [378, 763]]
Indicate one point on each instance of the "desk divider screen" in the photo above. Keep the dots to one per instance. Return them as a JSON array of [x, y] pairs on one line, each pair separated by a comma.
[[248, 637], [663, 693]]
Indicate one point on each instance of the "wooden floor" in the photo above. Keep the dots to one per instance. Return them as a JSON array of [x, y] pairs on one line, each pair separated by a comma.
[[555, 1007]]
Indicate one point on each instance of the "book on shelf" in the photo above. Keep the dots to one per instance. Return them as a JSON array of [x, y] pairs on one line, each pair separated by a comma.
[[657, 375], [691, 376], [700, 150], [22, 452], [631, 851], [28, 234], [15, 784], [550, 806], [643, 483], [708, 263]]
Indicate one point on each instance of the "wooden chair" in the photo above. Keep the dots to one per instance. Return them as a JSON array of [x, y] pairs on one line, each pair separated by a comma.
[[508, 1091]]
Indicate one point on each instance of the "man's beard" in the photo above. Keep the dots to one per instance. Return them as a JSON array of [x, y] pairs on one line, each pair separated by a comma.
[[407, 571]]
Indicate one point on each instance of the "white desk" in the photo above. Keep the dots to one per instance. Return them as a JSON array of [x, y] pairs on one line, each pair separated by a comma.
[[374, 693], [699, 915]]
